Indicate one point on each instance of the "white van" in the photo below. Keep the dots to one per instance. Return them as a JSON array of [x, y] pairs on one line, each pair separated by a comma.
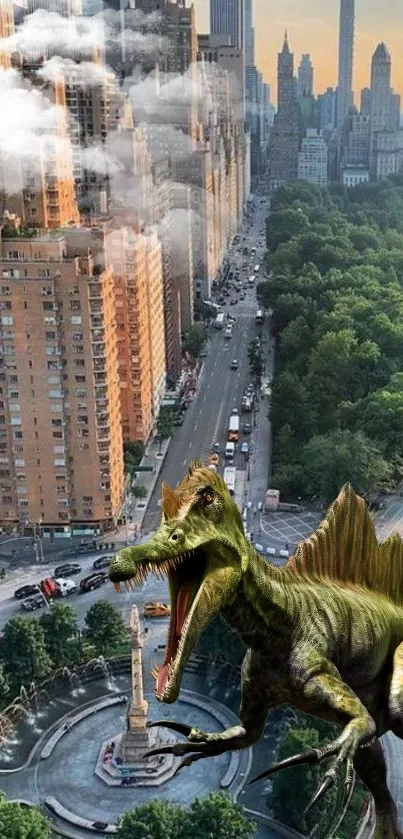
[[230, 450]]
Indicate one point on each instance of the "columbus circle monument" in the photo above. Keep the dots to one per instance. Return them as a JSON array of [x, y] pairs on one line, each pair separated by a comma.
[[75, 745]]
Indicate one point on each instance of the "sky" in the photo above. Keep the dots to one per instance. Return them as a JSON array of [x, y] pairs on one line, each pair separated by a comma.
[[313, 28]]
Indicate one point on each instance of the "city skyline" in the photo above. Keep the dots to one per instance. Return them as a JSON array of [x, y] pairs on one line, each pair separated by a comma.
[[316, 32]]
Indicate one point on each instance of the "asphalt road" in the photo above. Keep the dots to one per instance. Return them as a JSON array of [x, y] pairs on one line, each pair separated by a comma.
[[220, 389]]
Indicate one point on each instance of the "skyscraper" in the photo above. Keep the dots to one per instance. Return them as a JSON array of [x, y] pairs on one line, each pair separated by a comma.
[[305, 76], [249, 34], [346, 55], [284, 138], [383, 142], [227, 18]]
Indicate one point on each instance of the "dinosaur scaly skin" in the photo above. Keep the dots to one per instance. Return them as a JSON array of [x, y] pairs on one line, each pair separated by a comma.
[[324, 633]]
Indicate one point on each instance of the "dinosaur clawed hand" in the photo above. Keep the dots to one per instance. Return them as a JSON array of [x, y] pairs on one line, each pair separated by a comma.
[[199, 745], [316, 756]]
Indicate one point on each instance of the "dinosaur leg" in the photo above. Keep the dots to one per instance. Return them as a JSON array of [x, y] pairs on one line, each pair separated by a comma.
[[326, 695], [253, 713], [369, 763]]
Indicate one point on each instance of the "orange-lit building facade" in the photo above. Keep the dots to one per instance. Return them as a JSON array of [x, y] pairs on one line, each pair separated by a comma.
[[61, 459]]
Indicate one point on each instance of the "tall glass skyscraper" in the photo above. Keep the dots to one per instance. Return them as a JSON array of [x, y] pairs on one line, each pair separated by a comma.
[[227, 18], [249, 34], [346, 58]]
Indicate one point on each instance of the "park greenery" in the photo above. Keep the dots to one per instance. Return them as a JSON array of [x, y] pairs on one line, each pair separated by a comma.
[[335, 268], [133, 454], [216, 815], [165, 424], [17, 822], [31, 650]]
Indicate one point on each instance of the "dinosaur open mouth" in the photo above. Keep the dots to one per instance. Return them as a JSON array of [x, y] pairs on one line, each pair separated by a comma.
[[185, 574], [184, 583]]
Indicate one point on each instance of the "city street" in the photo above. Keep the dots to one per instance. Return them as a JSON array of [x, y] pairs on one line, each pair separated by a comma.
[[220, 389]]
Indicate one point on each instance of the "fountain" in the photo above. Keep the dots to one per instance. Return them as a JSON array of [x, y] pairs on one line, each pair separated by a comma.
[[76, 686]]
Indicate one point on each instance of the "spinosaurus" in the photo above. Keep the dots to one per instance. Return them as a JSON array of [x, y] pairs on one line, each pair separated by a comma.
[[323, 633]]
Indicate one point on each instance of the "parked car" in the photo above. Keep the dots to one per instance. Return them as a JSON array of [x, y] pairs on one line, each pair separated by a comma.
[[178, 420], [214, 458], [245, 448], [102, 562], [204, 353], [93, 581], [25, 591], [156, 610], [33, 603], [246, 428], [67, 570], [234, 364], [216, 448]]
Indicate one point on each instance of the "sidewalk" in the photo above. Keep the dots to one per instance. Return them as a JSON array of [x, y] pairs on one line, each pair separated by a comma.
[[260, 461]]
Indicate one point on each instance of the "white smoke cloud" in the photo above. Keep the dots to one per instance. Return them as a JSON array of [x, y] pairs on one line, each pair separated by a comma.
[[46, 33], [85, 73]]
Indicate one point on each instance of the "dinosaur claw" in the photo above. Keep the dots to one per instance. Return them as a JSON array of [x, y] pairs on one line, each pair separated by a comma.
[[309, 756], [186, 762], [163, 750], [347, 792], [327, 782], [180, 727]]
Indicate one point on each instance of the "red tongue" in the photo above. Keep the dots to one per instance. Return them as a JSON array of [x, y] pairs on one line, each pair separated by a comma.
[[182, 605]]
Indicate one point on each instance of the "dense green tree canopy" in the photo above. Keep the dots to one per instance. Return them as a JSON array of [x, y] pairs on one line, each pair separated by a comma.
[[336, 290], [215, 816], [60, 628], [24, 651], [106, 628], [18, 822]]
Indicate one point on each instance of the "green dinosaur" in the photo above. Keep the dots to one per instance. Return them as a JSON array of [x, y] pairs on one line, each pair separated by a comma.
[[323, 633]]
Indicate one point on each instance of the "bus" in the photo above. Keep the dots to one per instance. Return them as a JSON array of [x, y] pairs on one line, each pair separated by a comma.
[[233, 428], [219, 321], [229, 478], [259, 317]]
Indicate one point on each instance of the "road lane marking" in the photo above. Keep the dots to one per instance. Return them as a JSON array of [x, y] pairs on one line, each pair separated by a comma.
[[190, 444]]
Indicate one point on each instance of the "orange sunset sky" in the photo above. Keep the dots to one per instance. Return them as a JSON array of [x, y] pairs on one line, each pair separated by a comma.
[[313, 27]]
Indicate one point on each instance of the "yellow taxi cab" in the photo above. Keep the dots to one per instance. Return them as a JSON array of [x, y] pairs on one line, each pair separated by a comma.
[[214, 458], [156, 610]]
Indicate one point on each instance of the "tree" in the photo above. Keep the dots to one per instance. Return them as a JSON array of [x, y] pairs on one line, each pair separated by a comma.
[[139, 491], [195, 339], [217, 816], [164, 425], [4, 686], [133, 454], [303, 781], [61, 632], [106, 628], [283, 225], [24, 651], [332, 459], [18, 822], [156, 820]]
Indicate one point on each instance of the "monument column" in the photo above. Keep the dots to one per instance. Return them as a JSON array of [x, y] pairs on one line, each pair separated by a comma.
[[135, 741]]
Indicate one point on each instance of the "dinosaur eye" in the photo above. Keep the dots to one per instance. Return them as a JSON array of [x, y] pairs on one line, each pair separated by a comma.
[[208, 496]]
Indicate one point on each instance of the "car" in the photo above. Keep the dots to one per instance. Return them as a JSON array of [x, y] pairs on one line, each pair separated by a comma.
[[67, 570], [204, 353], [234, 411], [216, 448], [178, 420], [154, 609], [93, 581], [33, 603], [234, 364], [102, 562], [214, 458], [246, 428], [245, 448], [25, 591]]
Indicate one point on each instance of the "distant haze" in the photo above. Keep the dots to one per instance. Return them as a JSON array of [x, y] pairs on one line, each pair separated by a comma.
[[313, 27]]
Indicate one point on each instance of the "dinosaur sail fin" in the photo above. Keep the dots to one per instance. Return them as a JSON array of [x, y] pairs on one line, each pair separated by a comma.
[[344, 547]]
